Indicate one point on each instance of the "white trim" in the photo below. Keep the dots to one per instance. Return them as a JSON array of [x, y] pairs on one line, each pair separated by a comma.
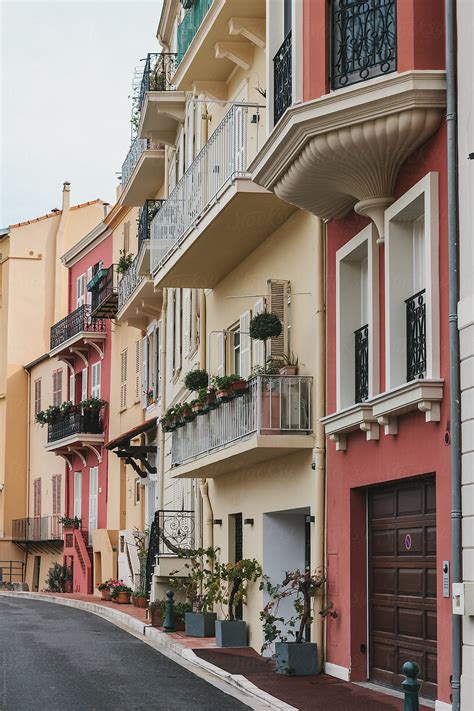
[[297, 61], [442, 706], [337, 671]]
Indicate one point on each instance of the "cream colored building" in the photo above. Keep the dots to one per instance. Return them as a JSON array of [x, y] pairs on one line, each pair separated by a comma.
[[33, 295]]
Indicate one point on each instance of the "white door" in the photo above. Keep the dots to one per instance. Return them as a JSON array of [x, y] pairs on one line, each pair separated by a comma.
[[93, 491], [78, 494]]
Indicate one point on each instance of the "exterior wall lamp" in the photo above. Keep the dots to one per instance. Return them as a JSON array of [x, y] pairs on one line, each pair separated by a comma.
[[248, 521]]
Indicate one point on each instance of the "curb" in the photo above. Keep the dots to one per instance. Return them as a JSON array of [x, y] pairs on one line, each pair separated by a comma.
[[161, 639]]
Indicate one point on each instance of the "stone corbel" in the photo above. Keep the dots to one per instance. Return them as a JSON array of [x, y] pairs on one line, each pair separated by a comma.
[[149, 309], [241, 53], [431, 409], [216, 90], [252, 28], [76, 450], [66, 459], [79, 352], [340, 441], [95, 346], [67, 360], [371, 429], [93, 449], [390, 424], [374, 209]]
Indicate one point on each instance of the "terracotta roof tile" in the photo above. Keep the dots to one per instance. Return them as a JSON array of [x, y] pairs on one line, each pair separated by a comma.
[[57, 212]]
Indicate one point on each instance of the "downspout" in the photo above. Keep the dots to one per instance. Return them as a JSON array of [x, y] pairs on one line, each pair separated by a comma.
[[319, 454], [207, 513], [454, 360], [28, 455], [161, 482]]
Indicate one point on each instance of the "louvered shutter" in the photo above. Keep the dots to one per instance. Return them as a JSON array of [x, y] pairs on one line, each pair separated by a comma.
[[72, 388], [187, 322], [245, 345], [96, 379], [220, 355], [170, 336], [89, 293], [195, 319], [278, 290], [84, 384], [37, 497], [123, 379], [137, 370], [158, 360], [258, 351], [177, 331], [144, 371], [80, 290]]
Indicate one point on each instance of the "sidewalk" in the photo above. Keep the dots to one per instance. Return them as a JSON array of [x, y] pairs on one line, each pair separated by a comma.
[[242, 667]]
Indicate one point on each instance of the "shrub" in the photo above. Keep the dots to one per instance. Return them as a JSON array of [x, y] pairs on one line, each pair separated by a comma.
[[196, 379], [58, 576], [264, 326]]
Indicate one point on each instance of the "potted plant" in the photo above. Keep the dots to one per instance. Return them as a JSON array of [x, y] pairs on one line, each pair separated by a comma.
[[124, 261], [121, 593], [287, 364], [239, 385], [156, 611], [200, 583], [180, 610], [105, 590], [196, 379], [178, 416], [187, 412], [223, 387], [295, 656], [59, 579], [167, 422], [150, 396], [211, 400], [232, 593], [48, 416], [139, 597], [264, 326], [69, 522], [198, 406]]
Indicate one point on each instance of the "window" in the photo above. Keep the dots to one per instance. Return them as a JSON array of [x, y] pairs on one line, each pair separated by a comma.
[[77, 511], [411, 285], [258, 351], [357, 331], [190, 321], [88, 278], [137, 369], [95, 375], [56, 481], [138, 491], [123, 379], [278, 293], [157, 361], [174, 333], [235, 351], [93, 500], [72, 388], [37, 395], [57, 387], [81, 291], [37, 498], [84, 384]]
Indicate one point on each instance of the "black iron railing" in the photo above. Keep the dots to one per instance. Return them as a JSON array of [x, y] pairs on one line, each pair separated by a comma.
[[282, 91], [361, 345], [157, 74], [104, 293], [74, 323], [76, 421], [171, 533], [37, 528], [147, 213], [416, 336], [363, 40]]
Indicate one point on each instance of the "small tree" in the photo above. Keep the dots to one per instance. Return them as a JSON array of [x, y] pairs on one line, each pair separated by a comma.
[[198, 578], [196, 379], [264, 326], [58, 576], [234, 580]]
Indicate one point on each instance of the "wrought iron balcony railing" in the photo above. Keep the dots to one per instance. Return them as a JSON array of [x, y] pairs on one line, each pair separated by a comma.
[[282, 83], [361, 345], [190, 25], [224, 158], [103, 288], [147, 213], [273, 404], [37, 528], [74, 323], [128, 283], [416, 336], [76, 421], [363, 40], [157, 74], [171, 532]]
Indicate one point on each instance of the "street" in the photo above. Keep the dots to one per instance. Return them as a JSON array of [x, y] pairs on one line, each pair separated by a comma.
[[56, 658]]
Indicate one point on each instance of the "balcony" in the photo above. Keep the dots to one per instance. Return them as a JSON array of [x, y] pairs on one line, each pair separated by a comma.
[[363, 40], [38, 530], [214, 38], [103, 289], [77, 326], [157, 74], [416, 336], [75, 432], [137, 298], [172, 533], [282, 79], [145, 217], [215, 216], [272, 419], [142, 172]]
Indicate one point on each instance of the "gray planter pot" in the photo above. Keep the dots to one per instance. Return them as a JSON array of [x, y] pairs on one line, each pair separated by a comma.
[[295, 659], [200, 624], [231, 633]]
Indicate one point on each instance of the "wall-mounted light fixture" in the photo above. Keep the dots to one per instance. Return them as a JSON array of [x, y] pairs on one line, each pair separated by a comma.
[[248, 521], [217, 522], [309, 519]]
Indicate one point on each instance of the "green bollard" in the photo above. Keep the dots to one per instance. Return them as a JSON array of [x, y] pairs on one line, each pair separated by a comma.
[[168, 625], [411, 686]]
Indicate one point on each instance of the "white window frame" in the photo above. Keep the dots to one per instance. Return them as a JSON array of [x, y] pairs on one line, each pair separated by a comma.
[[399, 218], [96, 377], [346, 256], [77, 494], [81, 290], [84, 383], [93, 501]]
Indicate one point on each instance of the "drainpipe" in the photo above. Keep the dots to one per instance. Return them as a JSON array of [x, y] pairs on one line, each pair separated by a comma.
[[319, 452], [161, 482], [454, 360], [207, 513]]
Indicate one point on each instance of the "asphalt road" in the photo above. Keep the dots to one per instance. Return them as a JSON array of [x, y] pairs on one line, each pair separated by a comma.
[[56, 658]]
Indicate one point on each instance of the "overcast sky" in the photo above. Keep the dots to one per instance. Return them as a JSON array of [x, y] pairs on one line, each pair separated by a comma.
[[66, 73]]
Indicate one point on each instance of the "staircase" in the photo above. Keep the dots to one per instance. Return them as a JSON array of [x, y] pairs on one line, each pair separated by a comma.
[[75, 548]]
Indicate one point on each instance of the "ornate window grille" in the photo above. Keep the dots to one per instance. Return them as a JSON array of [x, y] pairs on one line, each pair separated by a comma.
[[416, 336], [282, 93], [361, 344], [364, 40]]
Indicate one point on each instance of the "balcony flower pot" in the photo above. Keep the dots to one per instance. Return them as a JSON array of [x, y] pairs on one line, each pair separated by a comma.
[[123, 598], [231, 633], [239, 387], [179, 422], [190, 417], [199, 408], [200, 624], [288, 370], [296, 658], [224, 395], [271, 412], [211, 400]]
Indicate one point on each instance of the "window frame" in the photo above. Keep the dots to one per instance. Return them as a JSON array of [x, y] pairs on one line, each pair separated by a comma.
[[37, 396]]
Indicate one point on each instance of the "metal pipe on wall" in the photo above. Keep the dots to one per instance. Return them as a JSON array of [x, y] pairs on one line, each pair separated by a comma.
[[161, 470]]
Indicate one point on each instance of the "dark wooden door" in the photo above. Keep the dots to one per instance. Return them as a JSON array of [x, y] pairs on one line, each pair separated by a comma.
[[402, 581]]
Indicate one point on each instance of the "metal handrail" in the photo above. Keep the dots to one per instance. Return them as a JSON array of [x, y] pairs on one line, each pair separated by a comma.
[[128, 283], [157, 73], [416, 335], [76, 421], [74, 323], [37, 528]]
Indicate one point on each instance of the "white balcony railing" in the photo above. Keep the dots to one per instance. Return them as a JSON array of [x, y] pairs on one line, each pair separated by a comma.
[[273, 405], [224, 158], [128, 283], [138, 146]]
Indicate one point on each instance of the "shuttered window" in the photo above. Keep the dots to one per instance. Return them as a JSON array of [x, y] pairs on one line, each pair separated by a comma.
[[80, 290], [37, 497], [56, 486], [177, 330], [84, 384], [137, 369], [258, 351], [144, 371], [72, 388], [95, 378], [123, 378], [88, 293], [157, 360], [187, 336], [220, 354], [245, 364], [278, 292], [57, 387], [170, 335], [126, 237], [37, 395]]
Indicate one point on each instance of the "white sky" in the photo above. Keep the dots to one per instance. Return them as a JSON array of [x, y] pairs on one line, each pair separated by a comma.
[[66, 73]]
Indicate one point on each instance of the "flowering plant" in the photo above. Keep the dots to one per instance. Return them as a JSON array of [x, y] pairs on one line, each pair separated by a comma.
[[105, 585]]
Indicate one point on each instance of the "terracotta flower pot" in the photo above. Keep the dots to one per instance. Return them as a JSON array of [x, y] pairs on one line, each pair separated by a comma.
[[106, 594], [239, 387], [156, 617], [223, 395], [123, 598], [140, 601], [289, 370]]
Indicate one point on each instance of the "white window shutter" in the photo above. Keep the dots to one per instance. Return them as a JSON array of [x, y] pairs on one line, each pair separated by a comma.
[[158, 364], [170, 336], [84, 384], [195, 319], [245, 345], [177, 331], [145, 371], [220, 360], [187, 322], [72, 388], [258, 352], [137, 370], [278, 290], [88, 293], [80, 290], [123, 378], [96, 378]]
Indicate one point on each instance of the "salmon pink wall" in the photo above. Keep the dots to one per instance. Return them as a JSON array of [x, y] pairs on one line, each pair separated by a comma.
[[419, 448]]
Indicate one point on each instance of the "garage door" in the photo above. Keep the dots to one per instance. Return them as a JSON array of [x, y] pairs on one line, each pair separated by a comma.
[[402, 581]]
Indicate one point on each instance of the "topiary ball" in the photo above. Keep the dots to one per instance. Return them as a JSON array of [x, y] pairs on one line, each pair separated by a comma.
[[196, 379], [265, 325]]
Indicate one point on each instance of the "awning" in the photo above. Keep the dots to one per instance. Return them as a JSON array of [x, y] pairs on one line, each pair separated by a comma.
[[135, 455]]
